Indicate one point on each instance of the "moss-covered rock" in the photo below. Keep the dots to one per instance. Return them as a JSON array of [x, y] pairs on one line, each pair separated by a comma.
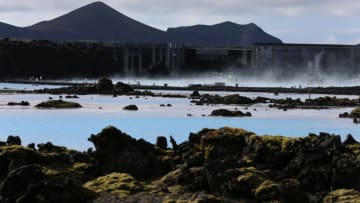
[[343, 196], [104, 85], [118, 152], [229, 113], [58, 104], [121, 184], [355, 113], [278, 143], [267, 190], [355, 148]]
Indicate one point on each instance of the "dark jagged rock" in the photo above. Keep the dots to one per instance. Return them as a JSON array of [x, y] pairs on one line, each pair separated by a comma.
[[49, 147], [291, 191], [161, 142], [349, 140], [17, 181], [317, 103], [344, 115], [355, 113], [122, 88], [228, 99], [118, 152], [71, 97], [13, 140], [58, 104], [222, 165], [311, 164], [104, 85], [22, 103], [31, 146], [131, 107], [173, 143], [55, 191], [228, 113], [195, 94]]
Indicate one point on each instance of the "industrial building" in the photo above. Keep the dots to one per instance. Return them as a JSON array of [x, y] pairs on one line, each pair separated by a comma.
[[288, 58]]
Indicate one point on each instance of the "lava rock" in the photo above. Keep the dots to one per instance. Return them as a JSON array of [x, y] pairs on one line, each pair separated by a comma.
[[131, 107], [161, 142], [13, 140], [228, 113]]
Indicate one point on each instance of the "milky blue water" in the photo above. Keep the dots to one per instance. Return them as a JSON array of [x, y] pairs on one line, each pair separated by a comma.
[[72, 128]]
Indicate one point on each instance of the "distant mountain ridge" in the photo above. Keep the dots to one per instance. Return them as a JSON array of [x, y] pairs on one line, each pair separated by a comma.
[[226, 33], [99, 22]]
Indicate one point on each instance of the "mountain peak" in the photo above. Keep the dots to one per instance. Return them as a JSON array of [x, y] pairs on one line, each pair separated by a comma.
[[97, 4], [228, 23]]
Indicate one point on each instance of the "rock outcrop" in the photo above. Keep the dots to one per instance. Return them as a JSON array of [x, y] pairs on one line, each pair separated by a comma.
[[214, 165]]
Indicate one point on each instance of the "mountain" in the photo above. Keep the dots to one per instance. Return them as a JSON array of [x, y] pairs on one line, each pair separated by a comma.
[[227, 33], [7, 30], [99, 22]]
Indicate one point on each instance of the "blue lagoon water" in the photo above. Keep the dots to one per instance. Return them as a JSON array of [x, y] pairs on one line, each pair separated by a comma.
[[72, 128]]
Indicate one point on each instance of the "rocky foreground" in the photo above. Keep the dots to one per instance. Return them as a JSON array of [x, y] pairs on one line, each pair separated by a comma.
[[223, 165]]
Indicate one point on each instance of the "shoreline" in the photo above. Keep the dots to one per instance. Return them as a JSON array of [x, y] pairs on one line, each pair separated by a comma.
[[351, 90]]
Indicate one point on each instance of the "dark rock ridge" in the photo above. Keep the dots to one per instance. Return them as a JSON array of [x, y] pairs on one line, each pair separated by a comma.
[[58, 104], [102, 86], [99, 22], [214, 165], [22, 103], [287, 103], [229, 113], [131, 107]]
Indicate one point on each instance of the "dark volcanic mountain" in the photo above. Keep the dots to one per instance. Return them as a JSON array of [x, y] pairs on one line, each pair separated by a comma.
[[227, 33], [7, 30], [99, 22]]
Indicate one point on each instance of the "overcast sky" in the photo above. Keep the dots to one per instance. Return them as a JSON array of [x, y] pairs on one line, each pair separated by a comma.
[[293, 21]]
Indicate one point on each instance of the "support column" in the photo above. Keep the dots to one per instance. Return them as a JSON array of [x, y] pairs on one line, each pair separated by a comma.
[[132, 65], [153, 54], [140, 60], [161, 54], [243, 57], [126, 60], [168, 55]]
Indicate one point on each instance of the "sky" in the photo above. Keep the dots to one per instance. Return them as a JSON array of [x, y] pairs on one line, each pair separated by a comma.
[[293, 21]]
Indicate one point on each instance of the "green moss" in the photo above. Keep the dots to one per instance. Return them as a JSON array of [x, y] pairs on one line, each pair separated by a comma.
[[278, 143], [355, 148], [121, 184], [20, 152], [14, 149], [355, 113], [59, 170], [169, 178], [224, 141], [247, 160], [343, 196], [208, 198], [208, 150], [58, 104], [267, 190], [251, 180]]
